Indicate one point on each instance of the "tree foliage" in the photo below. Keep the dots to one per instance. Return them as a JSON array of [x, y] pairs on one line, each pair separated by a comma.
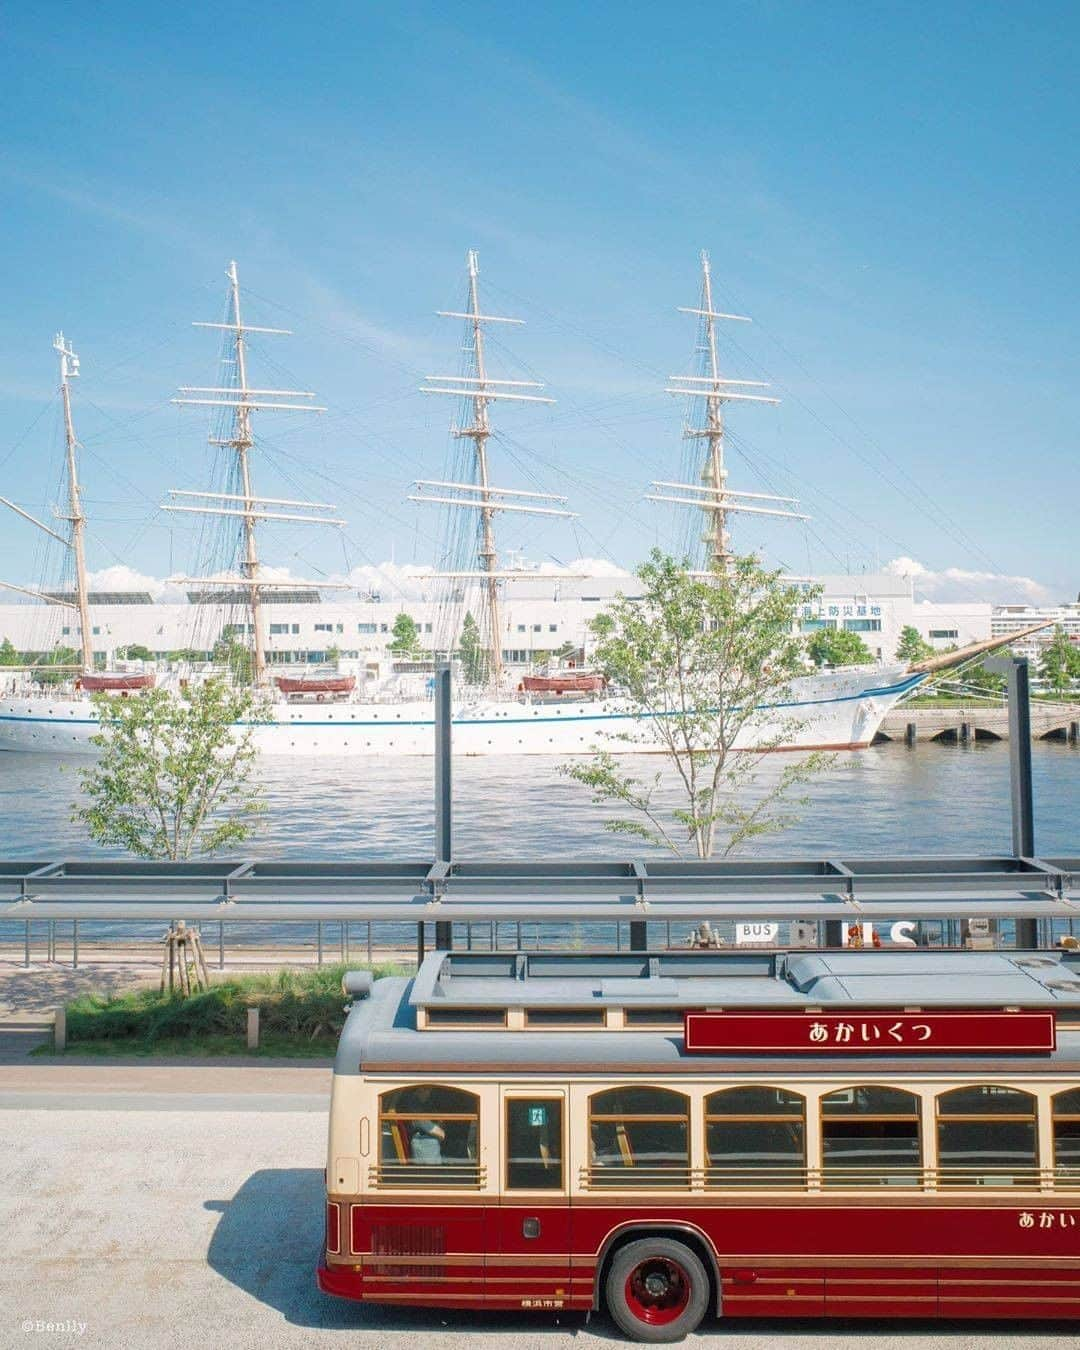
[[838, 647], [56, 666], [235, 656], [174, 775], [702, 658], [1059, 664], [134, 651], [405, 640], [978, 677], [912, 645], [472, 652], [8, 655]]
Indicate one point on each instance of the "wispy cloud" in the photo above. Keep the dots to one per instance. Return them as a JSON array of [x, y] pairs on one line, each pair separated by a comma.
[[155, 221], [958, 583]]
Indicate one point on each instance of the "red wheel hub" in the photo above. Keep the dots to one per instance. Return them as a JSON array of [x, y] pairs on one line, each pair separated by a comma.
[[657, 1290]]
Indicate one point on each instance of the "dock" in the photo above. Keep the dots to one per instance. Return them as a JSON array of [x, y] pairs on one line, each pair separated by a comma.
[[964, 723]]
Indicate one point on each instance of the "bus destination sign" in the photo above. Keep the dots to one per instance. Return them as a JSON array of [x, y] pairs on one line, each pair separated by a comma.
[[882, 1033]]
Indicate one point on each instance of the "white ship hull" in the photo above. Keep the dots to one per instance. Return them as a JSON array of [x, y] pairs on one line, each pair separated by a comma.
[[836, 710]]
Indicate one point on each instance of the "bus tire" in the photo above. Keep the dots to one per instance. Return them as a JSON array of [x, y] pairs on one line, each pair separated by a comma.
[[656, 1290]]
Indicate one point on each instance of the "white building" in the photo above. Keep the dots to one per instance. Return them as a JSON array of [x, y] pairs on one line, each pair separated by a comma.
[[539, 616], [1014, 618]]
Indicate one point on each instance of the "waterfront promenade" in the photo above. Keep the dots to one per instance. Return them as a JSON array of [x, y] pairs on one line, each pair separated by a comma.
[[157, 1205], [974, 721]]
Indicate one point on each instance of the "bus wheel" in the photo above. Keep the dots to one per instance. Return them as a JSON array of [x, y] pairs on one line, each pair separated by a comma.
[[657, 1290]]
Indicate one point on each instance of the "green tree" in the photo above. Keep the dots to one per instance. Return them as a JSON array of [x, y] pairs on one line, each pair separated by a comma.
[[333, 655], [837, 647], [8, 655], [235, 656], [174, 775], [1059, 664], [187, 654], [62, 663], [701, 658], [134, 651], [406, 636], [472, 652], [912, 645], [986, 681]]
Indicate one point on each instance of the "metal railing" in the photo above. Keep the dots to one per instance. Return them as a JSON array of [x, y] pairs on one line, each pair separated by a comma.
[[596, 1177], [424, 1176]]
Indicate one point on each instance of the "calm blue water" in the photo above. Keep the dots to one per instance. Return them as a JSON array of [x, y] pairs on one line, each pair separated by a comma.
[[936, 799]]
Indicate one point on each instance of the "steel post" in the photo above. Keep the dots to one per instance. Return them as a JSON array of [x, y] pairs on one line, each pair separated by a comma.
[[444, 840], [1015, 670], [443, 758]]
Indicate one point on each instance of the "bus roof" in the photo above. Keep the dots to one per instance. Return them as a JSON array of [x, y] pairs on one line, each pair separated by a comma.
[[408, 1025], [748, 979]]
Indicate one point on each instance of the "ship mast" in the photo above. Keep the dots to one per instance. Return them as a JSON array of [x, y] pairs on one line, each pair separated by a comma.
[[713, 497], [477, 391], [250, 509], [69, 368], [242, 443], [479, 432]]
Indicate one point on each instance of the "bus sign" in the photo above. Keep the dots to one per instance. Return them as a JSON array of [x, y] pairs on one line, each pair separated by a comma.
[[890, 1033]]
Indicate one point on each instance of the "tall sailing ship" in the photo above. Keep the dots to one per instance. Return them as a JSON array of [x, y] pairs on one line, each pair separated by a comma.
[[322, 713]]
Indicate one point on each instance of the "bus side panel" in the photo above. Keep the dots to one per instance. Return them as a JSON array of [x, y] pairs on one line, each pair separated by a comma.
[[881, 1291], [430, 1255], [885, 1257], [794, 1291], [530, 1265], [1009, 1292]]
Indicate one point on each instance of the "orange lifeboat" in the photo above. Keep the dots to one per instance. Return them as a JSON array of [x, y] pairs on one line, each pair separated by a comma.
[[565, 682], [116, 683], [316, 684]]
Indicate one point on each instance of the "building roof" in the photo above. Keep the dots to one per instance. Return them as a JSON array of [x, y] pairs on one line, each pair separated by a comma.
[[105, 597]]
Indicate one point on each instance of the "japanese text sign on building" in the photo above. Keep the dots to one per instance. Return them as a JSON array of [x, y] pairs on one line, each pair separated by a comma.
[[883, 1033]]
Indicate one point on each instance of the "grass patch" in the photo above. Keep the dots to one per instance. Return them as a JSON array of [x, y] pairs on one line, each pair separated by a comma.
[[301, 1012]]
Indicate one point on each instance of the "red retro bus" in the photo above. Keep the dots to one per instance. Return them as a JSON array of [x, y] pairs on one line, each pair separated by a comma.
[[688, 1134]]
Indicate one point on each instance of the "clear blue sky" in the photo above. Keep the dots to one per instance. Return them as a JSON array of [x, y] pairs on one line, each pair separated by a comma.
[[890, 190]]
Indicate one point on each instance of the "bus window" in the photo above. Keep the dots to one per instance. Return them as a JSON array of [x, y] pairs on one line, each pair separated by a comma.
[[870, 1136], [755, 1136], [427, 1136], [534, 1144], [986, 1137], [1067, 1137], [644, 1131]]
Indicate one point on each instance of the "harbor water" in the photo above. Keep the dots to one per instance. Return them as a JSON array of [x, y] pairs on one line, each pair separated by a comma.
[[941, 800]]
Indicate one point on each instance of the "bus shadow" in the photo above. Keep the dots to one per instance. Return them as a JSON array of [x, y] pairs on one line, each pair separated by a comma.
[[268, 1242], [269, 1237]]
